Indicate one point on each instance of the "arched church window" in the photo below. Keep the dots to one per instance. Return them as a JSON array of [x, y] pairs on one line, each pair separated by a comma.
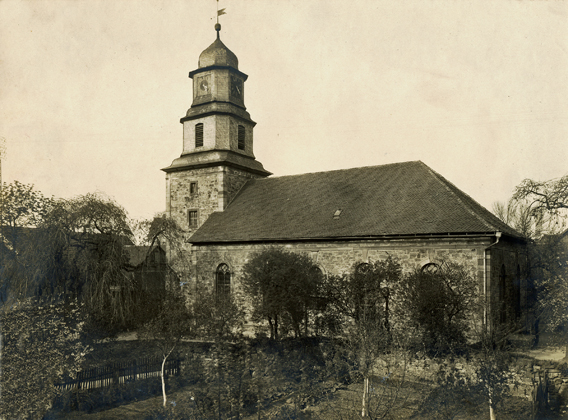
[[517, 293], [316, 302], [430, 268], [198, 134], [241, 137], [503, 295], [319, 271], [362, 268], [223, 281]]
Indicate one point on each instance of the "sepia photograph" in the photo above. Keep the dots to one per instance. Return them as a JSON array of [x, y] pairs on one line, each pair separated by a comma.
[[284, 209]]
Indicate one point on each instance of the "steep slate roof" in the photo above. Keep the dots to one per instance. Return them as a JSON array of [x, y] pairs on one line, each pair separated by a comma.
[[136, 254], [405, 198]]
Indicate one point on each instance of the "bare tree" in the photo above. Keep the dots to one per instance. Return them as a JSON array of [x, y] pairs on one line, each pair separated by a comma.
[[168, 328], [538, 209]]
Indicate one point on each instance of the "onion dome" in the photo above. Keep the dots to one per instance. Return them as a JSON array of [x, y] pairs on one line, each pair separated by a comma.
[[217, 54]]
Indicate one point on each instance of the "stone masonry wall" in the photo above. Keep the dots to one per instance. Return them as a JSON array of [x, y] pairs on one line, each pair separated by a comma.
[[339, 258], [216, 186], [510, 258]]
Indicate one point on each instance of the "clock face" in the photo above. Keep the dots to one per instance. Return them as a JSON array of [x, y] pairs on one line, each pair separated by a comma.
[[236, 87], [203, 86]]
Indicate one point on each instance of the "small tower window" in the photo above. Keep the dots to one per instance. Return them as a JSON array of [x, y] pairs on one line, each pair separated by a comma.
[[192, 218], [241, 137], [199, 135], [192, 188]]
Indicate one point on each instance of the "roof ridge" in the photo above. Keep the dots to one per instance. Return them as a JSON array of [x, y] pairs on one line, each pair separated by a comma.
[[342, 170], [452, 189]]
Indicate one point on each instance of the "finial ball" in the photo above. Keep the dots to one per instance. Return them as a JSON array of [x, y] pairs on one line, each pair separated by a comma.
[[217, 27]]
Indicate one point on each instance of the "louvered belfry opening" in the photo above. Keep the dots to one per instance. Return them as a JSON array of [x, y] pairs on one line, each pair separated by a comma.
[[241, 137], [199, 135]]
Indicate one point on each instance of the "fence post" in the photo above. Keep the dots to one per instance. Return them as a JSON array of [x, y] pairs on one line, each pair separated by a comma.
[[115, 373]]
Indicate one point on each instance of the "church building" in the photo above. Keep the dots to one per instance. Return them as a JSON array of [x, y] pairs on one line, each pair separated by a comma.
[[231, 206]]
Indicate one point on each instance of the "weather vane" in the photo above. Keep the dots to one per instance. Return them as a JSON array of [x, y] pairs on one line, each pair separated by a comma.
[[220, 12]]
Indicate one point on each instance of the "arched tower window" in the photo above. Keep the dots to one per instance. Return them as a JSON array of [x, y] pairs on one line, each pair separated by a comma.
[[223, 281], [241, 137], [198, 134]]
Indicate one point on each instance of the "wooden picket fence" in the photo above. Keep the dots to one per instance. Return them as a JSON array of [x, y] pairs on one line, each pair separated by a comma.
[[117, 373]]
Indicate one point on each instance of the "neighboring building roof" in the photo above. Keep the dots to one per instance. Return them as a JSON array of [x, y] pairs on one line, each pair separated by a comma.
[[397, 199], [137, 254]]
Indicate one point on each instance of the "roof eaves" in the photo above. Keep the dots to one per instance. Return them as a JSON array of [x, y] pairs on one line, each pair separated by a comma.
[[344, 238]]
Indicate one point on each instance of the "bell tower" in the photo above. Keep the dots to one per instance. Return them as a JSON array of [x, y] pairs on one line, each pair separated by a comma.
[[217, 157]]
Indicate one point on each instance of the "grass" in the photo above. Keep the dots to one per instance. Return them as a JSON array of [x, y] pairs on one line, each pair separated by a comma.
[[342, 404], [415, 400]]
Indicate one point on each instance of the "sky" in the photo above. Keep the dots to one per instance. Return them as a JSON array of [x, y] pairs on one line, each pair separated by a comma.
[[92, 91]]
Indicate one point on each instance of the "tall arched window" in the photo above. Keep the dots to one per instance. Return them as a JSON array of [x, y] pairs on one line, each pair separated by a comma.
[[318, 303], [198, 134], [502, 305], [241, 137], [430, 268], [362, 268], [517, 293], [223, 281]]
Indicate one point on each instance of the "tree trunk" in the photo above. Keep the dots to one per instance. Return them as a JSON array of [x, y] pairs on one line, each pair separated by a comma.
[[536, 333], [306, 321], [365, 404], [258, 401], [491, 412], [271, 328], [565, 343], [276, 327], [164, 380]]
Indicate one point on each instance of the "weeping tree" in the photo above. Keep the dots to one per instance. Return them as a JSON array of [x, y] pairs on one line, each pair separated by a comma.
[[67, 249], [87, 235]]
